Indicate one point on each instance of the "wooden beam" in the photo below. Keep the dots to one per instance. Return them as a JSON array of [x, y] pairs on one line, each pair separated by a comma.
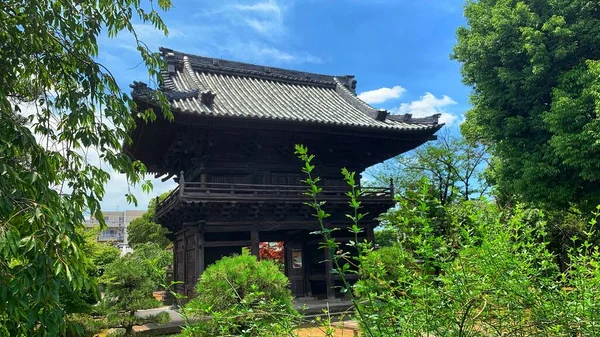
[[212, 244]]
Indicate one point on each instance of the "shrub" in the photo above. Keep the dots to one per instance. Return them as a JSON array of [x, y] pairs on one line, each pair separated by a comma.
[[83, 325], [501, 280], [390, 264], [242, 297], [385, 237], [129, 288], [476, 271]]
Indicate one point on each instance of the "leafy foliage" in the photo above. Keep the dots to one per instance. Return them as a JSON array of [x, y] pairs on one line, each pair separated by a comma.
[[386, 237], [128, 287], [154, 260], [145, 230], [452, 166], [70, 107], [243, 297], [339, 261], [496, 277], [536, 96], [80, 325], [501, 281]]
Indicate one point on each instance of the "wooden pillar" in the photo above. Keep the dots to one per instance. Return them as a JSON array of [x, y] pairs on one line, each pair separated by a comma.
[[199, 252], [370, 233], [254, 242], [184, 264], [181, 183], [328, 275], [175, 251]]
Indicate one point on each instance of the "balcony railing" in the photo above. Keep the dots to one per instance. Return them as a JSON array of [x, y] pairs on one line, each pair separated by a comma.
[[202, 191]]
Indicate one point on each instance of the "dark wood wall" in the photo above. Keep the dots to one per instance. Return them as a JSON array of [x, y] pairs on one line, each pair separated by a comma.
[[230, 156], [195, 250]]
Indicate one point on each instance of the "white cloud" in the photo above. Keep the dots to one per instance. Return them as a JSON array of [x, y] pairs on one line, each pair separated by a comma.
[[264, 17], [429, 105], [266, 6], [263, 54], [382, 94], [247, 31]]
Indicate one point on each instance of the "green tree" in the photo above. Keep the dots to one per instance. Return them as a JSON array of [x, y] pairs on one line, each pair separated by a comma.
[[155, 259], [129, 287], [97, 256], [535, 73], [452, 166], [48, 53], [450, 170], [145, 230], [386, 237]]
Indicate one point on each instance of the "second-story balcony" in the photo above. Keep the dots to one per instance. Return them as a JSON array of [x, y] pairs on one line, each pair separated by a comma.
[[202, 192]]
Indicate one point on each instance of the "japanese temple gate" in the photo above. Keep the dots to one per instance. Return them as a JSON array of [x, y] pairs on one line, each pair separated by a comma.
[[230, 147]]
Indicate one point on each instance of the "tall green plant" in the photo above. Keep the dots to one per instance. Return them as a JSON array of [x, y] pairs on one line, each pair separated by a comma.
[[497, 279], [339, 259]]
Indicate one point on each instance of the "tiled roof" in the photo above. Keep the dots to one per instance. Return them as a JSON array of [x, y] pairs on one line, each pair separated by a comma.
[[215, 87]]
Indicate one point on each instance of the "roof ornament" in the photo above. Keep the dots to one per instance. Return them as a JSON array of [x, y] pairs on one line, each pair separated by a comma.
[[349, 82], [170, 59], [215, 62], [268, 70], [208, 97], [381, 115], [140, 89]]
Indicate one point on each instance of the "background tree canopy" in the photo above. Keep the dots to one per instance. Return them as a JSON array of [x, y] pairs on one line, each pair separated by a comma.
[[535, 71], [48, 51], [452, 166], [145, 230]]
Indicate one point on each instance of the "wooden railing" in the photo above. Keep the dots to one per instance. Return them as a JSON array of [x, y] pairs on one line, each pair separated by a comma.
[[227, 191]]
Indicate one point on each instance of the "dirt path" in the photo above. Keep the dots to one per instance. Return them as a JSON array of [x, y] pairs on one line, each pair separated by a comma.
[[342, 329]]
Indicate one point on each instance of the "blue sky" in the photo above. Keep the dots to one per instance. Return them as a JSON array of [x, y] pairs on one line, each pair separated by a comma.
[[398, 49]]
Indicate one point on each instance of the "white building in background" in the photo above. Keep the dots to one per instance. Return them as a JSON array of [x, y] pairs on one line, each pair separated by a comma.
[[116, 223]]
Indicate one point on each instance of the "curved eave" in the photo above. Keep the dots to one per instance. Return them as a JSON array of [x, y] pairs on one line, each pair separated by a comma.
[[387, 125]]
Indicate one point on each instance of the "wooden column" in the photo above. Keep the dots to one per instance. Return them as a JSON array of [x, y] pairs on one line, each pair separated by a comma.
[[370, 233], [254, 242], [199, 252], [185, 258], [328, 275], [181, 183], [175, 259]]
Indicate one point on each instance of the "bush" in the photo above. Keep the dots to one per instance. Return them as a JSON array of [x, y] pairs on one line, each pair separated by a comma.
[[385, 237], [241, 296], [129, 288], [469, 269], [390, 264], [83, 325], [500, 280]]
